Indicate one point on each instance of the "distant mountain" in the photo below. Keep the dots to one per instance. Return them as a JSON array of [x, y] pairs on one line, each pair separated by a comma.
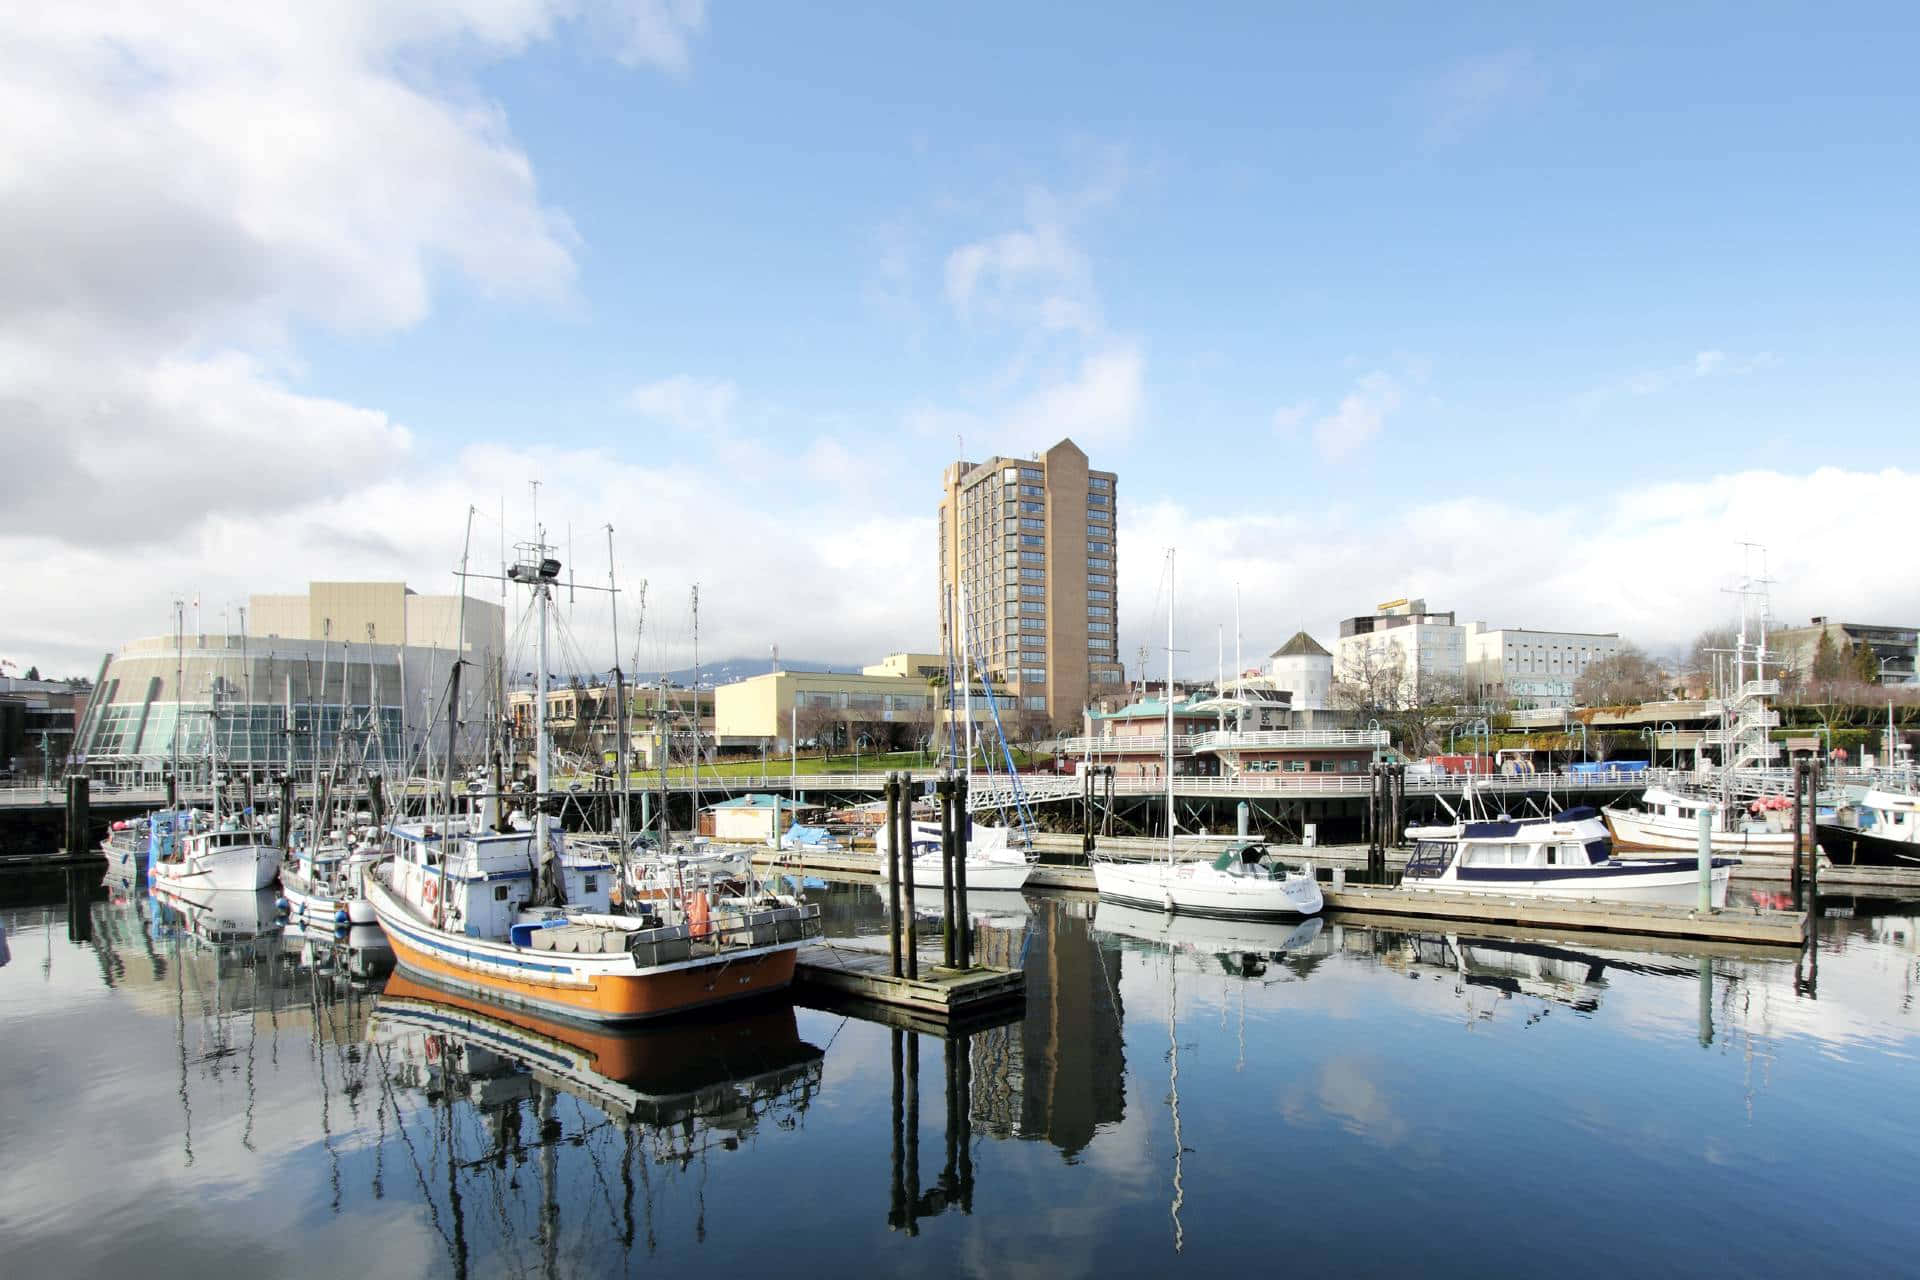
[[727, 670]]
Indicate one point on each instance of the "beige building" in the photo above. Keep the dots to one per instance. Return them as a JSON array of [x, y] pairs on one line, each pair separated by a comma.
[[840, 708], [383, 612], [1028, 545]]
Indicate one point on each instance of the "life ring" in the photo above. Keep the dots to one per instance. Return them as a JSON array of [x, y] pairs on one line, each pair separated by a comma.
[[432, 892]]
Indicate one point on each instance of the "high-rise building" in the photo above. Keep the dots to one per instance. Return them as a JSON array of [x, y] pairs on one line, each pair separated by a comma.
[[1028, 559], [1405, 652]]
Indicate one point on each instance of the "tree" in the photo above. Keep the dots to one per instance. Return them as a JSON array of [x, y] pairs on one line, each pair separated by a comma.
[[1709, 647], [1626, 678], [1827, 664], [816, 724], [1865, 665], [33, 673], [1375, 684]]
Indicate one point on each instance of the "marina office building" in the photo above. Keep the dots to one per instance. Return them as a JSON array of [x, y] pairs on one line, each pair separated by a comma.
[[373, 657], [1028, 545]]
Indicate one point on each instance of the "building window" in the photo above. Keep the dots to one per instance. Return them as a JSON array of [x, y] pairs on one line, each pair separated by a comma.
[[1032, 606], [1099, 626], [1099, 482], [1033, 675], [1033, 508], [1100, 548], [1037, 526], [1033, 642], [1033, 624], [1099, 595], [1099, 564], [1010, 476], [1097, 611], [1035, 703], [1032, 473], [1100, 579], [1030, 590], [1028, 540], [1033, 557], [1099, 500], [1031, 574], [1032, 491]]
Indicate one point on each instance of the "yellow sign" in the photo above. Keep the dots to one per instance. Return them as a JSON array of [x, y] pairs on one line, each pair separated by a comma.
[[1391, 604]]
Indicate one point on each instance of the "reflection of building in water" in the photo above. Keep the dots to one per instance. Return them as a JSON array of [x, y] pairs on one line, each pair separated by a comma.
[[1059, 1073]]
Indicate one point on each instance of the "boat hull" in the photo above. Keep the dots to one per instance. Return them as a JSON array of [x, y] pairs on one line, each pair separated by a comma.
[[323, 908], [1184, 889], [242, 869], [590, 988], [1661, 886], [1848, 846], [984, 874], [1634, 832]]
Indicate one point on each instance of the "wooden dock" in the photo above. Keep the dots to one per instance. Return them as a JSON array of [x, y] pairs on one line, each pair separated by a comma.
[[1757, 928], [858, 970]]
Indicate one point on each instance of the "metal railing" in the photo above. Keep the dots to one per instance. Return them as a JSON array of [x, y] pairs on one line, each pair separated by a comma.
[[1223, 740]]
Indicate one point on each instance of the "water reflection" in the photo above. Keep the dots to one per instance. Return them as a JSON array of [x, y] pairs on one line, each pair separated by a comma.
[[196, 1054]]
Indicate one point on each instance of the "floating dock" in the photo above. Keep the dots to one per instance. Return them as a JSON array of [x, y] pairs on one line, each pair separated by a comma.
[[1760, 928], [856, 969]]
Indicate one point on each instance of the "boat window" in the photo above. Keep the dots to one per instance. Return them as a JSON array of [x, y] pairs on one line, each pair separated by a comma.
[[499, 893], [593, 884], [1553, 856]]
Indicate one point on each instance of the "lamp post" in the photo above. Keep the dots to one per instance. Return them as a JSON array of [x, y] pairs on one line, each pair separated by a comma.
[[1672, 731]]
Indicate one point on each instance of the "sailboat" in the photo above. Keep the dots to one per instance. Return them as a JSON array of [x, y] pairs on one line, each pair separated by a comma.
[[1245, 881], [512, 916]]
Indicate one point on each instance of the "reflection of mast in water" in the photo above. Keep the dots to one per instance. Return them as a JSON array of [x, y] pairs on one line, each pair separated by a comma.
[[1173, 1097], [180, 1039]]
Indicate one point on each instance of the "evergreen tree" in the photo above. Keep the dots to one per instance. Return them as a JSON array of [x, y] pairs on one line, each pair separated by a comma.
[[1827, 666], [1866, 667]]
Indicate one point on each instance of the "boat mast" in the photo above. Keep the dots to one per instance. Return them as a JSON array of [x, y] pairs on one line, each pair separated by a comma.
[[179, 694], [1167, 699], [966, 680], [695, 714], [623, 821], [453, 682]]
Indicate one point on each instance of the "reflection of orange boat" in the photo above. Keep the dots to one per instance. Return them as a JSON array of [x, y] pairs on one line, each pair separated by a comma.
[[704, 1065]]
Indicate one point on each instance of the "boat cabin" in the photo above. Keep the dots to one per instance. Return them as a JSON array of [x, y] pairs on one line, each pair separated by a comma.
[[1574, 838], [487, 880]]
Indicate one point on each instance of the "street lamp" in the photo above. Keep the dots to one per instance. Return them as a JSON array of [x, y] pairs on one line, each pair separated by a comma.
[[1672, 731], [1583, 740]]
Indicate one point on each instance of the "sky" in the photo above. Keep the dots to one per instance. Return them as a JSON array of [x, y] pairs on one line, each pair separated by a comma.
[[1537, 315]]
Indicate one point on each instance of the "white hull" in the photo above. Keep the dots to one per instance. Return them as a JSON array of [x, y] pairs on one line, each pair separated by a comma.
[[1194, 888], [323, 908], [236, 869], [1207, 936], [1005, 873], [1649, 888], [1636, 829]]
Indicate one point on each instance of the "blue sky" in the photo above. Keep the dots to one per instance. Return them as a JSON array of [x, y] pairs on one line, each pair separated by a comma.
[[1423, 284]]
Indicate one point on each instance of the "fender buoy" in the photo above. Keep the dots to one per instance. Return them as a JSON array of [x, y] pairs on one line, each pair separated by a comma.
[[699, 915]]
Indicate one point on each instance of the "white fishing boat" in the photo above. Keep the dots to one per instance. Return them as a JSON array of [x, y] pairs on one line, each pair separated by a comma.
[[1247, 881], [1565, 856], [327, 885], [1669, 820], [514, 917], [234, 856]]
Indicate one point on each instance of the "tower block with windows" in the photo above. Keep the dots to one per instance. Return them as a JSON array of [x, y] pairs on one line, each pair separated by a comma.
[[1030, 546]]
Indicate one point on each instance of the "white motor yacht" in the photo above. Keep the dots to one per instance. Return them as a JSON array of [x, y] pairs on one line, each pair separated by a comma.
[[1247, 881], [1566, 856]]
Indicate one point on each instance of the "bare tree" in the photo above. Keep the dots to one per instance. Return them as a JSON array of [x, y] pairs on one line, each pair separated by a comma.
[[1626, 678], [1375, 684], [1711, 644]]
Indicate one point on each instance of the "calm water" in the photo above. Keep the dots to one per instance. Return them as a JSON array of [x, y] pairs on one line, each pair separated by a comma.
[[1371, 1100]]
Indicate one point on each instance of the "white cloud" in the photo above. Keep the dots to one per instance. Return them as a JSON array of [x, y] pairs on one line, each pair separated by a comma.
[[686, 403], [1100, 405], [1711, 363], [998, 272], [1473, 90], [1288, 417], [654, 33], [1574, 561], [1359, 416]]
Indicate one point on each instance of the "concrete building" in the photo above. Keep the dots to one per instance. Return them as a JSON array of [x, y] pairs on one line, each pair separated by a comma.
[[1029, 545], [581, 720], [1896, 650], [373, 657], [1429, 648], [922, 666], [1531, 670], [1304, 670]]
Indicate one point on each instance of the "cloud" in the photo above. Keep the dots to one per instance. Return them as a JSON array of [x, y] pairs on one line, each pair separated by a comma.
[[1359, 417], [1034, 274], [1473, 90], [686, 403], [1705, 364], [184, 186], [1580, 566], [1288, 417], [1101, 404]]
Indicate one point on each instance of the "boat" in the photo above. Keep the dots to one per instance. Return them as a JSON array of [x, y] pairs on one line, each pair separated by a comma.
[[992, 862], [1568, 855], [1246, 881], [325, 884], [1667, 819], [1879, 828], [512, 916], [233, 856]]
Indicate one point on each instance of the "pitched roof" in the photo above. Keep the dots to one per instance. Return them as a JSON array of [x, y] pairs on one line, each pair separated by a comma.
[[1301, 646]]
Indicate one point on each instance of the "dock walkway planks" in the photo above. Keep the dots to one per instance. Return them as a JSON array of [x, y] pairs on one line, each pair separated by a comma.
[[855, 968]]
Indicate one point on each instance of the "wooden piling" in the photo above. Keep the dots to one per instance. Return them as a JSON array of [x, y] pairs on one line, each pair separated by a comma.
[[904, 846], [961, 837], [893, 873], [944, 790], [1799, 827], [79, 815]]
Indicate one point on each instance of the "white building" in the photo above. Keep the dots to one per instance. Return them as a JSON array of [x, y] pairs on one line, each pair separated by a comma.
[[1531, 669], [1304, 669], [1428, 647]]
